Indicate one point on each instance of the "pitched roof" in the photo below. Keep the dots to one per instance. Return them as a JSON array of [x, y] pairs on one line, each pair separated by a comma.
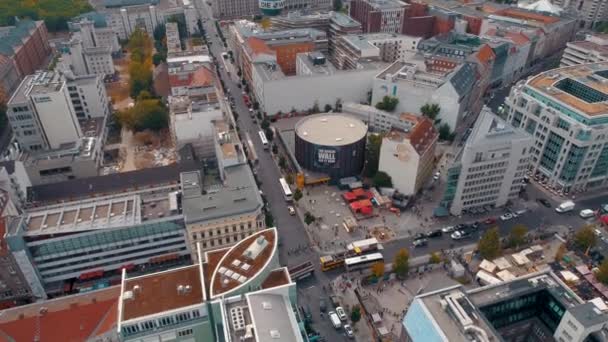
[[16, 36], [202, 77], [422, 134], [485, 54], [517, 38], [258, 46], [69, 319]]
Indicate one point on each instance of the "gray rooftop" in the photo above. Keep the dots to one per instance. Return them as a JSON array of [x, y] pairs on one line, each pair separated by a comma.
[[336, 129], [344, 20], [588, 314], [387, 4], [270, 314], [238, 195], [491, 129]]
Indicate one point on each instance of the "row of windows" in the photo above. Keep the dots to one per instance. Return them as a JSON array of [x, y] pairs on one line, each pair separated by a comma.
[[163, 322], [484, 181], [488, 166], [479, 201]]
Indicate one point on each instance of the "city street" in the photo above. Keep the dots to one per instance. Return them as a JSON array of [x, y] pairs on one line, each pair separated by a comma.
[[293, 233]]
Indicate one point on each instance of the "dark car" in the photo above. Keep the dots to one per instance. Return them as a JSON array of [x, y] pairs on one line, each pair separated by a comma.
[[490, 220], [421, 242], [420, 236], [544, 202], [322, 305], [435, 233], [474, 225]]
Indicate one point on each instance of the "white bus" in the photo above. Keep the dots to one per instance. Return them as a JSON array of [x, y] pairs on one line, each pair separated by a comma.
[[363, 246], [264, 140], [252, 154], [362, 261], [173, 206], [286, 190]]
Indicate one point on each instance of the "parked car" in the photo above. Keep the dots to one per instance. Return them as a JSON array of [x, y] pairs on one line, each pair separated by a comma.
[[322, 305], [420, 236], [291, 210], [490, 220], [565, 207], [341, 313], [459, 235], [335, 320], [435, 233], [507, 216], [421, 242], [544, 202], [349, 331], [448, 229], [586, 213]]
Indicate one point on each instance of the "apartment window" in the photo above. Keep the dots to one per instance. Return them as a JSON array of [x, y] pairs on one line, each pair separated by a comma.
[[183, 333]]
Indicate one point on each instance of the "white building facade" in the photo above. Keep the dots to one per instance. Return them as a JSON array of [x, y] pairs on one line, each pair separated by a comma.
[[491, 168]]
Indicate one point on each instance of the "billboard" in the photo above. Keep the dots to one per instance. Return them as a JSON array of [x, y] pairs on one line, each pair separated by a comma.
[[326, 157]]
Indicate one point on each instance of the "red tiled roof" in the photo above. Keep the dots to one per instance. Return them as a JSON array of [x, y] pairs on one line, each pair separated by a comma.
[[200, 78], [525, 15], [258, 46], [69, 319], [485, 54], [422, 134], [516, 37]]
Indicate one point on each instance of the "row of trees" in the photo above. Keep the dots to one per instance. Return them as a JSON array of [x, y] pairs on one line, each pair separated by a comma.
[[55, 13], [431, 111], [148, 112]]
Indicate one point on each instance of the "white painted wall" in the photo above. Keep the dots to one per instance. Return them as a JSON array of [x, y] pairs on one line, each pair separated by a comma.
[[400, 161], [94, 94], [301, 92], [57, 117]]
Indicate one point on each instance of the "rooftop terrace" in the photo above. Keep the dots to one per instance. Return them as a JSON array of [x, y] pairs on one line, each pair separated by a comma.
[[160, 292], [581, 87], [243, 261]]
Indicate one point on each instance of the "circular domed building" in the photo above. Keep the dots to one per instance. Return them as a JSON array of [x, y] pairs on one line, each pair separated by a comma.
[[333, 144]]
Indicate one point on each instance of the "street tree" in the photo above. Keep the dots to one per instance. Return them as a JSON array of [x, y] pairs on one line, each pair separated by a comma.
[[401, 262], [297, 195], [378, 269], [489, 244], [602, 272], [269, 219], [435, 258], [269, 134], [585, 238], [445, 133], [372, 157], [327, 108], [309, 218], [355, 314], [518, 235], [265, 124], [282, 162], [275, 149], [430, 110]]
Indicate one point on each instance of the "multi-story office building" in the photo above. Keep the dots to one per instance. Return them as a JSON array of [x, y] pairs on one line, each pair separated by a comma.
[[216, 215], [298, 20], [27, 45], [415, 85], [174, 43], [539, 304], [379, 15], [125, 16], [408, 157], [490, 169], [589, 13], [9, 77], [387, 47], [563, 111], [192, 122], [41, 113], [87, 54], [89, 241], [378, 120], [591, 50], [233, 9], [88, 96]]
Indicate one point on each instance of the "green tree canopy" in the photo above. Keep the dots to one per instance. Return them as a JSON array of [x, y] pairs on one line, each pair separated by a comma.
[[585, 238], [309, 218], [445, 133], [401, 264], [146, 114], [388, 103], [372, 157], [518, 235], [55, 13], [430, 110], [355, 314], [378, 269], [489, 244], [383, 180], [435, 258], [602, 272], [297, 195]]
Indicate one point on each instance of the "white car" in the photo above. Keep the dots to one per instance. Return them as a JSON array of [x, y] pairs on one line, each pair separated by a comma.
[[506, 217], [341, 313], [291, 210], [448, 229], [349, 331], [586, 213]]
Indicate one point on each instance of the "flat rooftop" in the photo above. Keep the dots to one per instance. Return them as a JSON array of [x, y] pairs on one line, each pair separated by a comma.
[[336, 129], [160, 292], [243, 261], [387, 4], [582, 87], [273, 318], [237, 195]]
